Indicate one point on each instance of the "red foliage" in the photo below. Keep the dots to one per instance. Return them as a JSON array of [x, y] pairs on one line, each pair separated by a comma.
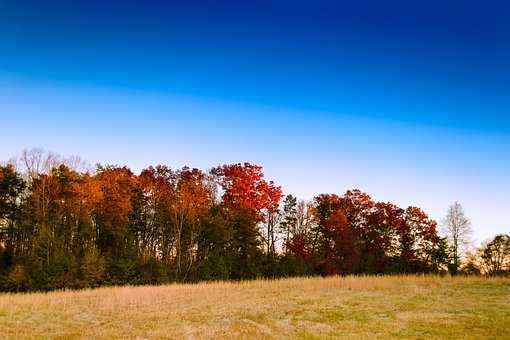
[[245, 188], [342, 251], [299, 246]]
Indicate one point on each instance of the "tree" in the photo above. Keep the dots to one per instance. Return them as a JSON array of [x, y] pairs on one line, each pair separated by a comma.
[[112, 214], [440, 255], [155, 232], [214, 260], [37, 161], [383, 237], [471, 264], [192, 201], [289, 220], [419, 241], [248, 200], [334, 241], [59, 219], [496, 255], [298, 229], [245, 189], [457, 228], [272, 221], [12, 187]]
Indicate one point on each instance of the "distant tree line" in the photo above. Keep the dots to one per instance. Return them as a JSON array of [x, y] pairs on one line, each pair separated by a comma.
[[65, 226]]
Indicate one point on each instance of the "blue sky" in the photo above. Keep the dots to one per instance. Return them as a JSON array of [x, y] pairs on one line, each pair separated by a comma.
[[409, 102]]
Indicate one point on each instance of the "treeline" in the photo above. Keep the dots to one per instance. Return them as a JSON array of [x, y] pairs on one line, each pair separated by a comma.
[[492, 258], [65, 228]]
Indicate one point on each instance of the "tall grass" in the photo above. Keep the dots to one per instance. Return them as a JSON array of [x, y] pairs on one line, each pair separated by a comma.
[[352, 306]]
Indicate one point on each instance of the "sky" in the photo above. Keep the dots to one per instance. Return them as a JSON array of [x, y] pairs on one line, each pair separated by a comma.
[[406, 100]]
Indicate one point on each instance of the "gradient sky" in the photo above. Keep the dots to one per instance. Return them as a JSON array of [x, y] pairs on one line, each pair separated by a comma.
[[406, 100]]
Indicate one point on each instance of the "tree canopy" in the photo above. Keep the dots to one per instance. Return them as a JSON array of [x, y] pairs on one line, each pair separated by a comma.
[[65, 227]]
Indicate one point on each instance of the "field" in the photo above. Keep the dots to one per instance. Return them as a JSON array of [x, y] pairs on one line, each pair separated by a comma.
[[313, 308]]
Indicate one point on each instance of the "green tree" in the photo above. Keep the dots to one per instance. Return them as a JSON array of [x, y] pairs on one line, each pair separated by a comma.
[[12, 239]]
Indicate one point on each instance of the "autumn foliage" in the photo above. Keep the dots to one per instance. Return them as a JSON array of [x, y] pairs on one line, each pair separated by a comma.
[[63, 228], [245, 189]]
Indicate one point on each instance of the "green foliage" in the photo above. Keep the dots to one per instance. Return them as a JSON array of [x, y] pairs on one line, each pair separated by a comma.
[[92, 269], [244, 249]]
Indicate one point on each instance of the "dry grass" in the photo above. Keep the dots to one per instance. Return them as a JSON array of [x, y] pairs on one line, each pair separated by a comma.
[[351, 307]]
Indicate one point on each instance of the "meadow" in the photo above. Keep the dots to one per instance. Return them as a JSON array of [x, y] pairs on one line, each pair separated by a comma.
[[302, 308]]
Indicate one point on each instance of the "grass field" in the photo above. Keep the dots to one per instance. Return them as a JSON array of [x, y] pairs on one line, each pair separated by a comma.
[[354, 307]]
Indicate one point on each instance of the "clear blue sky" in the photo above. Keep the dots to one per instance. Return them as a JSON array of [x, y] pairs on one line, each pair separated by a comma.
[[407, 101]]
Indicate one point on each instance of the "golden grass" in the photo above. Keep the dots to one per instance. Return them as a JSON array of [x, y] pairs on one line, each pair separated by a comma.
[[350, 307]]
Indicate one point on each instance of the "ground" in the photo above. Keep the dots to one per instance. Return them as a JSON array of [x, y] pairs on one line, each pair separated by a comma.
[[311, 308]]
